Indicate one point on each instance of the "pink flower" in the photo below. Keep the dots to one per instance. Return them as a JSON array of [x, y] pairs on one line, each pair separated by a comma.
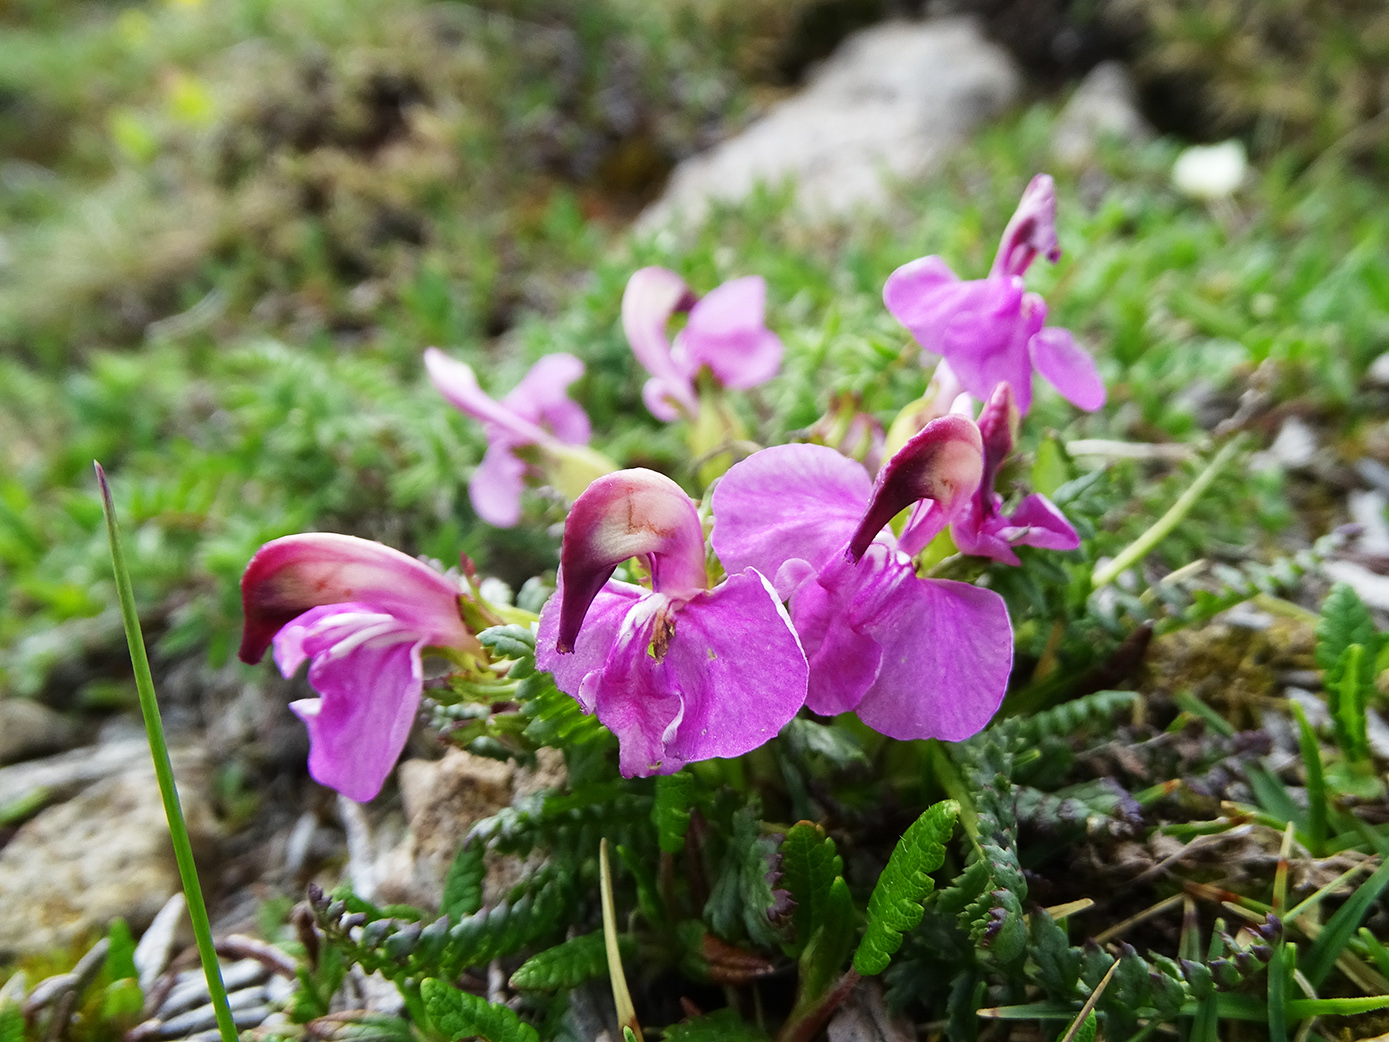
[[991, 330], [980, 527], [361, 614], [915, 658], [679, 672], [537, 412], [726, 331]]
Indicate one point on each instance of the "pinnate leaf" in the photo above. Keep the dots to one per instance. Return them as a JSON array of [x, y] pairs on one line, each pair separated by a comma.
[[570, 963], [1344, 621], [459, 1015], [896, 904], [463, 884], [809, 866], [671, 812]]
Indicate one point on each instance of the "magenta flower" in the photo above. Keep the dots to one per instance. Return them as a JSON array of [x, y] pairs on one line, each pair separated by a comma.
[[980, 527], [915, 658], [362, 614], [538, 412], [991, 330], [726, 331], [679, 672]]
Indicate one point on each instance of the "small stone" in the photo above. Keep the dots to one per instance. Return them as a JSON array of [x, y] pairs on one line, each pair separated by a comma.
[[1378, 373], [890, 104], [1372, 588], [1103, 107], [1367, 510], [443, 799], [1296, 444], [156, 946], [105, 853], [63, 775], [29, 729], [1210, 172]]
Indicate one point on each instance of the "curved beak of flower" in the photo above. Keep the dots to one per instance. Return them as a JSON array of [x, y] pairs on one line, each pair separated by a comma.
[[289, 576], [1032, 230], [943, 462], [632, 513]]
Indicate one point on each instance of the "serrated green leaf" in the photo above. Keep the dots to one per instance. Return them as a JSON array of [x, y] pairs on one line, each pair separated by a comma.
[[897, 900], [671, 811], [1349, 687], [569, 964], [11, 1022], [743, 892], [459, 1015], [1344, 621], [463, 884], [120, 957], [809, 867], [1086, 1032], [723, 1026]]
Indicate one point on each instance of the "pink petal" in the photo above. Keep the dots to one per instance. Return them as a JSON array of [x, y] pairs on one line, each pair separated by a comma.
[[288, 576], [920, 294], [1032, 230], [631, 513], [542, 397], [456, 382], [1038, 522], [942, 462], [979, 531], [727, 332], [785, 503], [652, 297], [576, 673], [1068, 367], [729, 676], [843, 661], [998, 421], [495, 487], [985, 339], [947, 651], [740, 667], [366, 668], [669, 399]]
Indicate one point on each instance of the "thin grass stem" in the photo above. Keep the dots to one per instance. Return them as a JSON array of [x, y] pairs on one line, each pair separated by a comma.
[[164, 771]]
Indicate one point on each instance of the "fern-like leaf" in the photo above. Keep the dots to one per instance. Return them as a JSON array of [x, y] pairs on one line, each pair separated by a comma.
[[569, 964], [809, 867], [459, 1015], [896, 904], [723, 1026], [1344, 621], [463, 884], [671, 813], [1349, 686]]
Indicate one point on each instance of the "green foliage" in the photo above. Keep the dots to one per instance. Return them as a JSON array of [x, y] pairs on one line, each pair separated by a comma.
[[809, 869], [569, 963], [744, 896], [671, 811], [463, 883], [1349, 687], [11, 1022], [723, 1026], [1344, 621], [896, 904], [459, 1015]]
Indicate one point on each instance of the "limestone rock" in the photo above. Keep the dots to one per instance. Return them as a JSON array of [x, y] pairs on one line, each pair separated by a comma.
[[105, 853], [891, 103], [1105, 105], [29, 729], [443, 799]]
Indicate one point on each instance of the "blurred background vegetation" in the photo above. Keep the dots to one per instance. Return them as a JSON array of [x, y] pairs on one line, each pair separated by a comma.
[[227, 231]]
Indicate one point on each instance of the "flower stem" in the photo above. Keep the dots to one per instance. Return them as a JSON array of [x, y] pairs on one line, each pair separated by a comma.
[[1163, 526], [164, 771]]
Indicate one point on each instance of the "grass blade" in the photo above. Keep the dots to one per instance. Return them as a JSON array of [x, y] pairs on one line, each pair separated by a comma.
[[164, 771], [1339, 929]]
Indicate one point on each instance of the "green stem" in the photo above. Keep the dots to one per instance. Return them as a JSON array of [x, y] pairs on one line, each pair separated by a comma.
[[164, 771], [1164, 525]]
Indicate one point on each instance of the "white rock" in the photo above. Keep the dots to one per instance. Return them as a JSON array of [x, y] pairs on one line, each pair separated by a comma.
[[1210, 172], [1372, 587], [1105, 105], [29, 728], [66, 773], [1296, 444], [1367, 510], [890, 104], [105, 853], [1378, 373], [156, 946]]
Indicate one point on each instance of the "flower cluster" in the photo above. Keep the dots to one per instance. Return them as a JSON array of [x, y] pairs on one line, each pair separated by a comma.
[[807, 592]]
